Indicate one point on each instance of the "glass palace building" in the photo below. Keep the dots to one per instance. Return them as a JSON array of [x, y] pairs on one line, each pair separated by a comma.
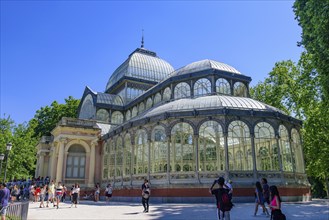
[[181, 129]]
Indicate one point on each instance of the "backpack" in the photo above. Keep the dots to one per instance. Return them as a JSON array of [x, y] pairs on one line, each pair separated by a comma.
[[224, 203], [277, 215]]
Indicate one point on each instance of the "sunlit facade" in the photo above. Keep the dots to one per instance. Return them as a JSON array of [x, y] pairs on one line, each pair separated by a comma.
[[181, 127]]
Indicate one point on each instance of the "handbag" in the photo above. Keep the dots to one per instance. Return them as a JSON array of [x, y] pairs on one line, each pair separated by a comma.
[[277, 215]]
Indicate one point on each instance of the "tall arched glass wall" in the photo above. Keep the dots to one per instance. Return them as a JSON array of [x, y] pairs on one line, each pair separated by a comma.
[[208, 148]]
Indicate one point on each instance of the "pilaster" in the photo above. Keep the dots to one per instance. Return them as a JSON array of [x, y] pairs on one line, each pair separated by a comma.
[[60, 161], [92, 158]]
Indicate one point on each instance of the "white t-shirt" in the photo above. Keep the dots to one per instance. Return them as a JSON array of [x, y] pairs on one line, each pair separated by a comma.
[[75, 190], [108, 190]]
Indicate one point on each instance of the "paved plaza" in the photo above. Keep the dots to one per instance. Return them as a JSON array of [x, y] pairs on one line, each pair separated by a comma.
[[317, 210]]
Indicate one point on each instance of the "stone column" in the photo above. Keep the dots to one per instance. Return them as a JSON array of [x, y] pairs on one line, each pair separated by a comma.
[[92, 158], [253, 151], [41, 164], [59, 171], [52, 169], [37, 169], [64, 166]]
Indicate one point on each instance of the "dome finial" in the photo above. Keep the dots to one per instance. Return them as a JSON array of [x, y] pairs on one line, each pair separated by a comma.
[[142, 46]]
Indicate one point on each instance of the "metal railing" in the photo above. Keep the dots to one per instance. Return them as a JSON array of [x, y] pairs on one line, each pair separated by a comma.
[[17, 210]]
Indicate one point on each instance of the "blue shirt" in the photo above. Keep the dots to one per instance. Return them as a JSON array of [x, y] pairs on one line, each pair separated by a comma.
[[4, 196]]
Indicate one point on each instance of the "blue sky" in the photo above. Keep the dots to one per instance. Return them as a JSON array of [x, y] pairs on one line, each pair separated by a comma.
[[53, 49]]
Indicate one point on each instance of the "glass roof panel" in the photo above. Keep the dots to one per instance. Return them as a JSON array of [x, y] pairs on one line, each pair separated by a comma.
[[211, 102], [143, 65], [110, 99], [204, 65]]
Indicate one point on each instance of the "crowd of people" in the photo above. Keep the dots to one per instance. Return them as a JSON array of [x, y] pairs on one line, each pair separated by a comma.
[[263, 194], [47, 192]]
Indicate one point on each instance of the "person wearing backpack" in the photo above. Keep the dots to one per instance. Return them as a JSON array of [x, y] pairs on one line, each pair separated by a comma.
[[223, 202]]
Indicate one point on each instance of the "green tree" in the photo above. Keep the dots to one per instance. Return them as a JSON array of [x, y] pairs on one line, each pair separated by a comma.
[[313, 17], [47, 117], [21, 159], [296, 88]]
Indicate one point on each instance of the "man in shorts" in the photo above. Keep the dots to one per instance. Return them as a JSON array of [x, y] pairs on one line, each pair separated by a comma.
[[4, 198]]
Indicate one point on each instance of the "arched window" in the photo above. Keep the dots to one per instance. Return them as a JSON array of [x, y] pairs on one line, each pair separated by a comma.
[[141, 107], [182, 90], [240, 89], [149, 103], [223, 86], [127, 155], [76, 162], [239, 141], [119, 157], [158, 150], [202, 87], [141, 152], [134, 112], [211, 147], [182, 154], [102, 115], [157, 98], [88, 109], [286, 157], [297, 151], [128, 115], [117, 118], [167, 94], [266, 147]]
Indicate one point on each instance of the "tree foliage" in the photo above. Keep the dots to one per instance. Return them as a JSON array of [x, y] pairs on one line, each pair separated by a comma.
[[22, 158], [296, 88], [47, 117], [24, 137], [313, 17]]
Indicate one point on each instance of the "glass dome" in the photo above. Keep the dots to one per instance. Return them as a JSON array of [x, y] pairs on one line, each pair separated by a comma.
[[205, 65], [212, 102], [141, 64]]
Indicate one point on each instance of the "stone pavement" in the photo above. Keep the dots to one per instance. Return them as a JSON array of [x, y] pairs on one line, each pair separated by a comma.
[[317, 210]]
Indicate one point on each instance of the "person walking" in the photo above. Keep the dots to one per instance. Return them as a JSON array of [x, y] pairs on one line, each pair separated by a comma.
[[146, 192], [275, 204], [59, 193], [97, 192], [75, 194], [43, 196], [219, 198], [51, 192], [4, 198], [108, 192], [259, 199], [266, 192]]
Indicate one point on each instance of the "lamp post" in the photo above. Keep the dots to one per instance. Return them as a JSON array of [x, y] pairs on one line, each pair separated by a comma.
[[9, 146], [2, 156]]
